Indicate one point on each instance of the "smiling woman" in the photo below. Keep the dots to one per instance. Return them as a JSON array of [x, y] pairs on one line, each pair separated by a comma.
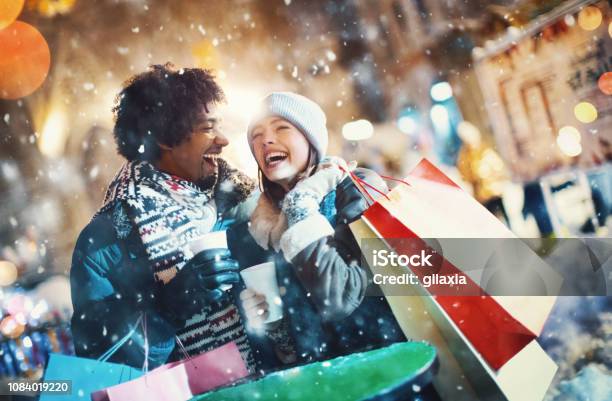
[[307, 203], [281, 151]]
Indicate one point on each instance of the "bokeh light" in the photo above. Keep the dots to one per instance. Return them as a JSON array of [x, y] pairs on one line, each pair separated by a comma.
[[8, 273], [9, 11], [569, 140], [590, 18], [10, 327], [357, 130], [407, 125], [585, 112], [25, 60], [54, 134], [605, 83], [441, 91], [51, 8]]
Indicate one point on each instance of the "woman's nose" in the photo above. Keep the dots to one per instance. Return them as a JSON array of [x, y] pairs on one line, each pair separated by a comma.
[[268, 137]]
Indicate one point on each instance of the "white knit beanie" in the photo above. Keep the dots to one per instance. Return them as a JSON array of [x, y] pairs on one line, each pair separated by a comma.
[[300, 111]]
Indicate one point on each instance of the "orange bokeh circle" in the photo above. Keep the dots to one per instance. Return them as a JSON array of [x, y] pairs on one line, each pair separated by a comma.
[[605, 83], [24, 60], [9, 11]]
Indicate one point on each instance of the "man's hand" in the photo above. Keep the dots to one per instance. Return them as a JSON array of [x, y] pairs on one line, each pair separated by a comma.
[[198, 283]]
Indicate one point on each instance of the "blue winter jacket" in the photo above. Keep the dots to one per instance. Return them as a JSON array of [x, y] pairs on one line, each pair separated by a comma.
[[112, 285]]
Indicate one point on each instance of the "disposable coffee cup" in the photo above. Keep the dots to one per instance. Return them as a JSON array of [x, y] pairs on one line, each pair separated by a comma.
[[262, 279], [212, 240]]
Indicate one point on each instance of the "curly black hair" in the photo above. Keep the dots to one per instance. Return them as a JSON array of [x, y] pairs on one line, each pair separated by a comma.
[[161, 106]]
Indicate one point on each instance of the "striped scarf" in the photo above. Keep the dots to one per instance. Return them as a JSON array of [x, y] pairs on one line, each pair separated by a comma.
[[168, 214]]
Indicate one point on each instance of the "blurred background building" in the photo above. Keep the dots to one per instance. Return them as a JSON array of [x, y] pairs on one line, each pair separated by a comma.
[[512, 98]]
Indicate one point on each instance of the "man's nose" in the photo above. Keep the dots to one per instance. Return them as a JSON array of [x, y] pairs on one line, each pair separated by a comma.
[[221, 140]]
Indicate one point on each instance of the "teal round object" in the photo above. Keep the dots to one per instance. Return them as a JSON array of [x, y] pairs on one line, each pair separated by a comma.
[[382, 373]]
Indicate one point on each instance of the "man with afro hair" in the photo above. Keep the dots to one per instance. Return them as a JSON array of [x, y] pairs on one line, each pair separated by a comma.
[[133, 267]]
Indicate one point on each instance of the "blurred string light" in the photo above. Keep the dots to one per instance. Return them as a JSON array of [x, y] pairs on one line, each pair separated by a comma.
[[585, 112], [590, 18], [39, 309], [24, 60], [53, 136], [469, 133], [569, 140], [9, 11], [51, 8], [19, 304], [357, 130], [605, 83], [205, 55], [441, 91], [27, 342], [407, 125], [408, 120], [440, 119], [569, 20], [8, 273], [610, 29], [10, 327]]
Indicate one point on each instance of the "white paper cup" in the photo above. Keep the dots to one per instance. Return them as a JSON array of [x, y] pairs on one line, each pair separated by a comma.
[[262, 279], [212, 240]]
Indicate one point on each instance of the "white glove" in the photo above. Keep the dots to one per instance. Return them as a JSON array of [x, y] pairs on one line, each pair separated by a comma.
[[304, 199]]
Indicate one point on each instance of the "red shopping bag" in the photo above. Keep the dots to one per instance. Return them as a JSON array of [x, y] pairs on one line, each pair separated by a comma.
[[430, 205], [180, 381]]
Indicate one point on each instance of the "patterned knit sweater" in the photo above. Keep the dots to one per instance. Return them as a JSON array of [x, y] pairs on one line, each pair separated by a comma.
[[168, 214]]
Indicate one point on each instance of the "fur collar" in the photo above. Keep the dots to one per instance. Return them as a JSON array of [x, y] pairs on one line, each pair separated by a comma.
[[268, 223]]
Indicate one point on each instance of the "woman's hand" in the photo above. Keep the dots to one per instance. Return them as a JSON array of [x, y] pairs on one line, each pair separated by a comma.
[[336, 162], [255, 308], [304, 199]]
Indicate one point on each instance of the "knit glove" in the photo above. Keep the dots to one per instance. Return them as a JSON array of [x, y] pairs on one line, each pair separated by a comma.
[[304, 199], [198, 284]]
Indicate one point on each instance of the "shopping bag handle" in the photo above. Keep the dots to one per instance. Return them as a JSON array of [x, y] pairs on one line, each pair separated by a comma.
[[362, 185], [188, 357], [111, 351]]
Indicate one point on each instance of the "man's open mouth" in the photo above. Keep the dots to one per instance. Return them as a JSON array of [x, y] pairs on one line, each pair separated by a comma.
[[274, 158], [212, 158]]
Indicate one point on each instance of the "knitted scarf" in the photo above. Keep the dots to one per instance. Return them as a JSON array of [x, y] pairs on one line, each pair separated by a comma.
[[169, 212]]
